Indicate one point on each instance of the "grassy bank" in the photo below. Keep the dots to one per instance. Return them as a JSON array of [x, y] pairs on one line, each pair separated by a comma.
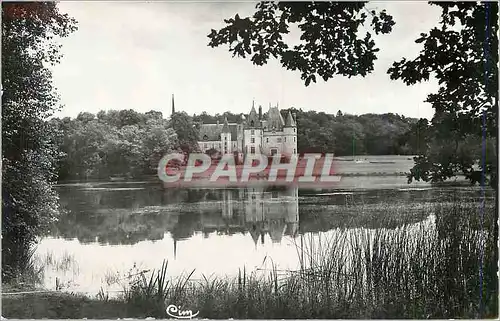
[[430, 270]]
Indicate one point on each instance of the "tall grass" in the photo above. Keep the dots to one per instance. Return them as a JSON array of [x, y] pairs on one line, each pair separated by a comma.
[[26, 272], [428, 270]]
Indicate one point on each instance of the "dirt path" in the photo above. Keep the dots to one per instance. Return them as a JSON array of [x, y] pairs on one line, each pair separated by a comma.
[[62, 306]]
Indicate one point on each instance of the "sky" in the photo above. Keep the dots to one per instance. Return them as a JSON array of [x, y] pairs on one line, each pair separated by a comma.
[[135, 55]]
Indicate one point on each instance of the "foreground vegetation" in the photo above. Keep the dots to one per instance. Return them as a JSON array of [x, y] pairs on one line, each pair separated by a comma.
[[388, 275], [430, 270], [36, 152], [400, 273], [30, 34]]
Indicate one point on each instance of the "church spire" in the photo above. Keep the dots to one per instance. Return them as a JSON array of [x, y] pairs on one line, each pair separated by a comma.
[[173, 105]]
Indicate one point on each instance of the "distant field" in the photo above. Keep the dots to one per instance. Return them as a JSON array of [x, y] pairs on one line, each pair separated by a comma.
[[345, 165], [391, 165]]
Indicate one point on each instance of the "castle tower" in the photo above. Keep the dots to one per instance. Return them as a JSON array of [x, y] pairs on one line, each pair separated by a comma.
[[225, 137], [239, 134], [227, 204], [252, 133], [290, 135]]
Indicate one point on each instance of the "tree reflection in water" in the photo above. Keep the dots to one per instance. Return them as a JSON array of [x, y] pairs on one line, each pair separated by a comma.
[[117, 214]]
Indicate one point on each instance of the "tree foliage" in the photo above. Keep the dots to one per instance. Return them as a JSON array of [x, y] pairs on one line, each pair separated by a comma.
[[29, 31], [187, 131], [331, 41], [115, 143], [100, 147], [462, 54]]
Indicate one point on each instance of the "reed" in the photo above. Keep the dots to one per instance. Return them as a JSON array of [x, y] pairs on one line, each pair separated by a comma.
[[426, 270], [28, 271]]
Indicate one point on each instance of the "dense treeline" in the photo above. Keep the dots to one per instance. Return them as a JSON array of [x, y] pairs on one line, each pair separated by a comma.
[[113, 143], [128, 143], [343, 134], [368, 134]]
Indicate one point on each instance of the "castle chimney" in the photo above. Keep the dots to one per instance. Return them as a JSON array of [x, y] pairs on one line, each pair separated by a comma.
[[260, 112]]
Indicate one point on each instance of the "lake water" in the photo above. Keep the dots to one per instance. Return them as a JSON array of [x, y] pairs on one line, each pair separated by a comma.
[[112, 229]]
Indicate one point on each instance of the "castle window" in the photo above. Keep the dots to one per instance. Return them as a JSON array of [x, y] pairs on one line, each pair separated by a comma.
[[285, 139], [252, 140], [295, 151], [252, 131], [279, 139], [252, 123], [205, 137], [252, 150], [294, 139], [267, 140], [294, 130]]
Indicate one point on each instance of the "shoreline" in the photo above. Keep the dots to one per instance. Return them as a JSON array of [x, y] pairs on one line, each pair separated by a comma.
[[398, 180]]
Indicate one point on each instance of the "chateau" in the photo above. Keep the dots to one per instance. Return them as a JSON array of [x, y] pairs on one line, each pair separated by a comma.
[[255, 134]]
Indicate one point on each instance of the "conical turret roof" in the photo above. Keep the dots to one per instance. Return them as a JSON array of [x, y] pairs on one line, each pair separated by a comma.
[[253, 118], [274, 118], [290, 122], [225, 127]]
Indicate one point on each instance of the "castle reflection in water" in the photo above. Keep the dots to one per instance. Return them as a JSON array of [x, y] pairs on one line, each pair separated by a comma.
[[112, 216], [117, 215], [259, 211]]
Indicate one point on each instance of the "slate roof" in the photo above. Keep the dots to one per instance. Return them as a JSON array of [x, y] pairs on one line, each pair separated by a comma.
[[276, 230], [213, 131], [225, 127], [253, 116], [290, 122], [274, 118], [255, 233]]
